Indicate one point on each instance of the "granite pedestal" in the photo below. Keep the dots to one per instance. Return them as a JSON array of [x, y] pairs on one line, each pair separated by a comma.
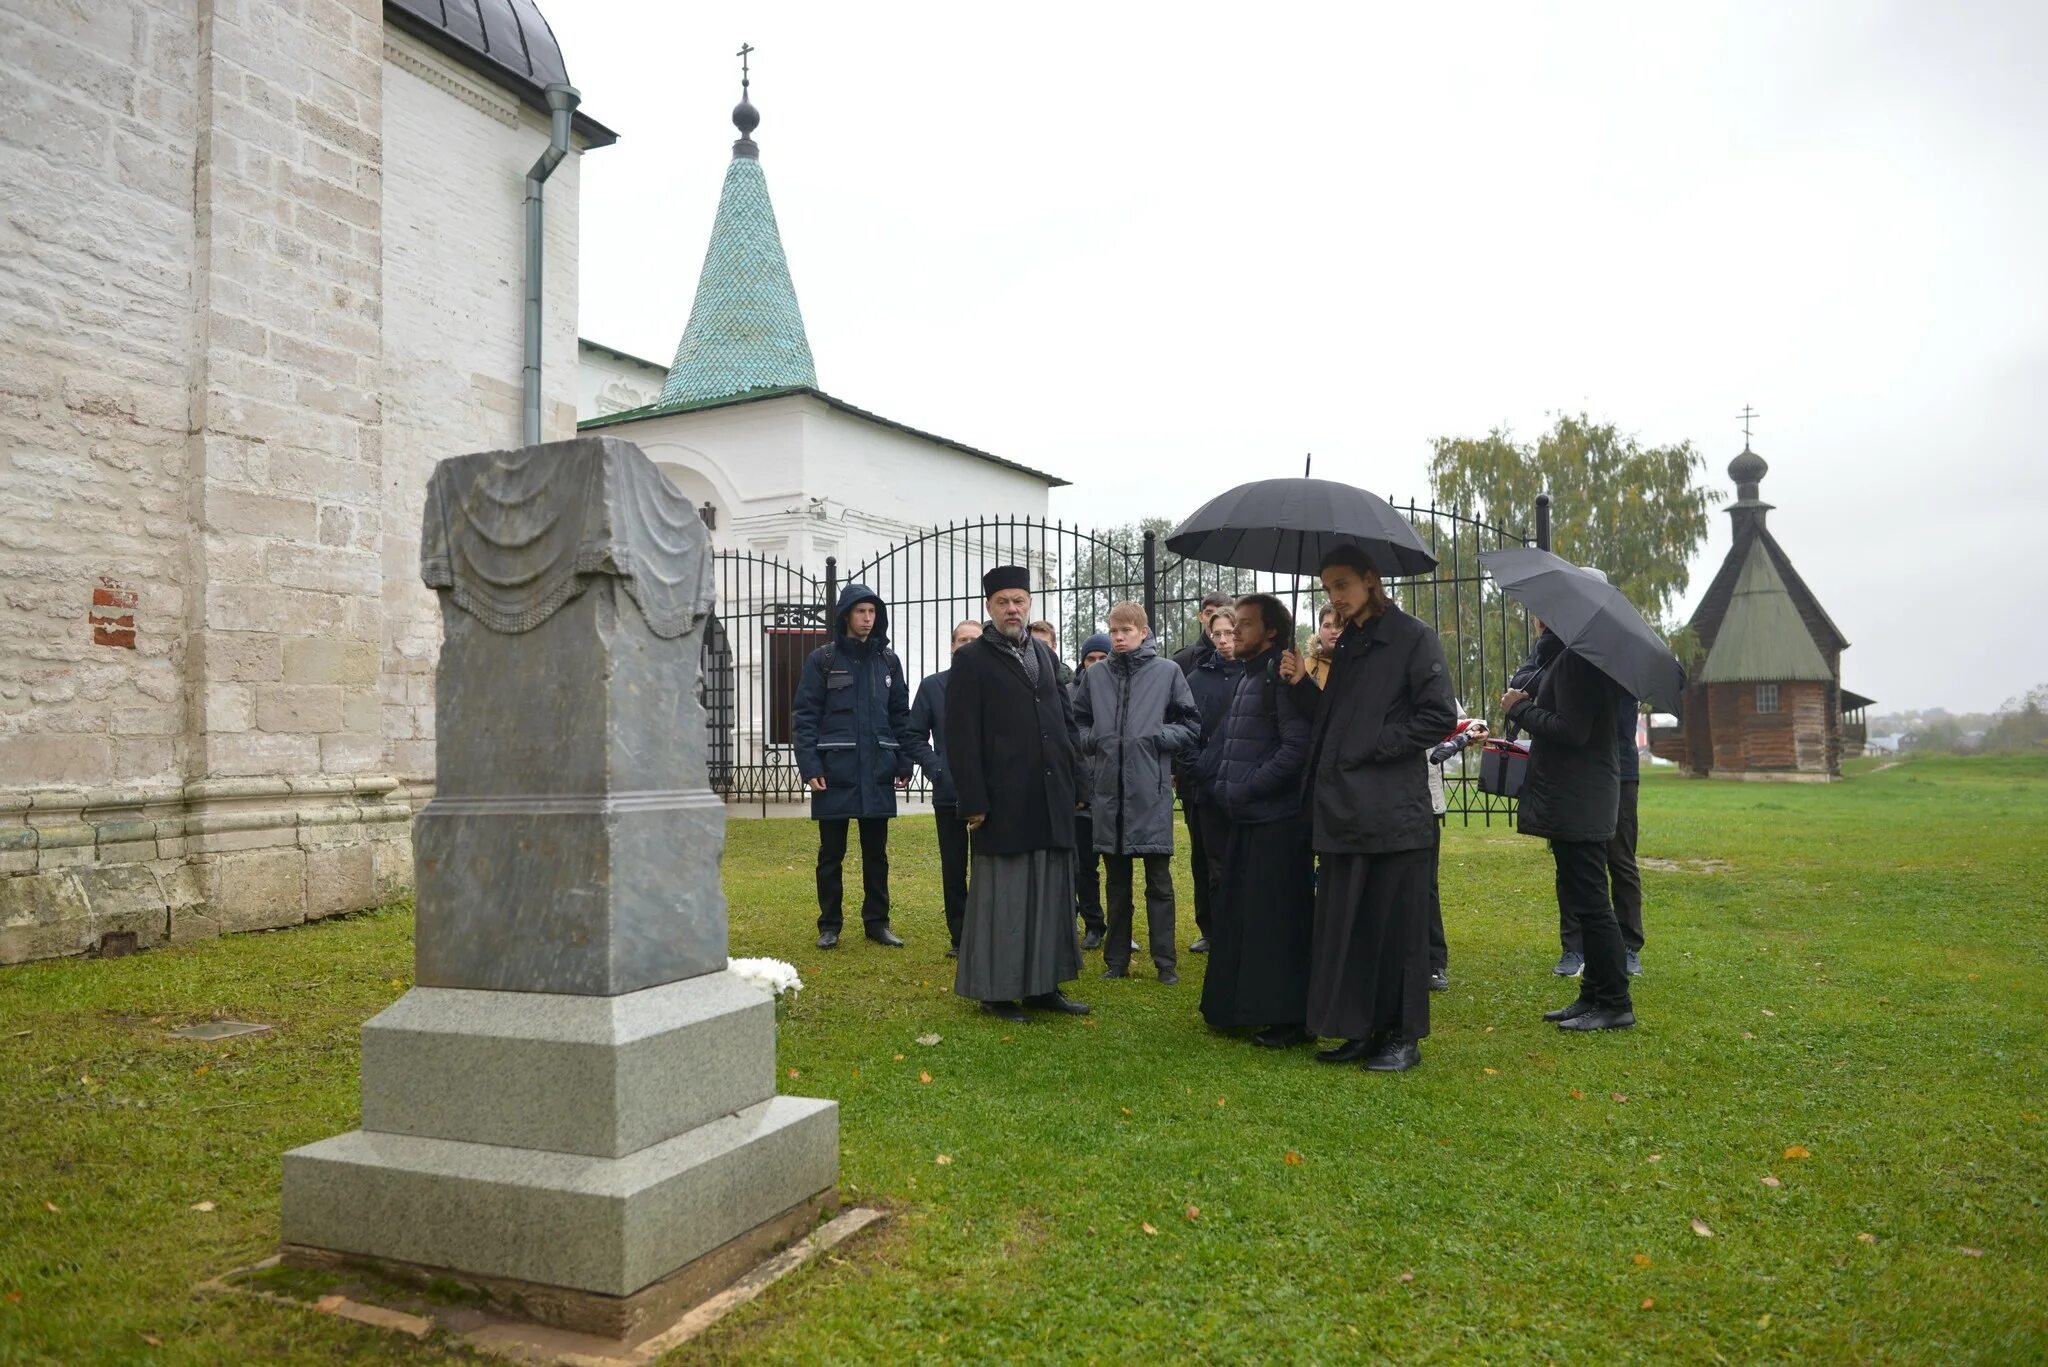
[[576, 1096]]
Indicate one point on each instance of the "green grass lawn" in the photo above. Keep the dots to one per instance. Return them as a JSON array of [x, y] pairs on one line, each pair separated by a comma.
[[1854, 969]]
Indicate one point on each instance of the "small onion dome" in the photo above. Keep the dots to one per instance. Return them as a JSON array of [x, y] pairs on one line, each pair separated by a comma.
[[1747, 470]]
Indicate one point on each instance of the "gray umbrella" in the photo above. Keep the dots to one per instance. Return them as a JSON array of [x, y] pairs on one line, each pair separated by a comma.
[[1287, 525], [1592, 617]]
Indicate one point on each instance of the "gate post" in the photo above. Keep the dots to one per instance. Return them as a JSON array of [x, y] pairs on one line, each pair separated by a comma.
[[1152, 579], [1543, 521], [831, 583]]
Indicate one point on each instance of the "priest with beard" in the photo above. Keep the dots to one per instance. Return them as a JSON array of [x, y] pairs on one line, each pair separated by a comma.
[[1010, 739], [1387, 700]]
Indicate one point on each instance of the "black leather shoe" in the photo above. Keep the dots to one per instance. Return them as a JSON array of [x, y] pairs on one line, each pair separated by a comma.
[[1281, 1037], [1599, 1018], [952, 951], [1350, 1051], [1057, 1001], [882, 935], [1168, 977], [1565, 1013], [1114, 972], [1007, 1011], [1200, 946], [1439, 982], [1092, 940], [828, 939], [1398, 1056]]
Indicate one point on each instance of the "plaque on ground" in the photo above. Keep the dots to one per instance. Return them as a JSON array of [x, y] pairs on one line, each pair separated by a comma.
[[211, 1030], [576, 1101]]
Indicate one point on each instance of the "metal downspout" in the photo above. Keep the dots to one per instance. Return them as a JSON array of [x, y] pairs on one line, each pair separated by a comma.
[[562, 102]]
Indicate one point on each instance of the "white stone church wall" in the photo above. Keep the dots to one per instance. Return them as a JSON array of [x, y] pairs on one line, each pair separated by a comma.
[[608, 383]]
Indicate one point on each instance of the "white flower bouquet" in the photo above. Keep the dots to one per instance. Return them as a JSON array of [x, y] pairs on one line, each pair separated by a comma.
[[778, 977]]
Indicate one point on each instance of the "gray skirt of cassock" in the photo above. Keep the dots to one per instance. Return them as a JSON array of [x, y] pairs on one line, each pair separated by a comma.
[[1018, 937]]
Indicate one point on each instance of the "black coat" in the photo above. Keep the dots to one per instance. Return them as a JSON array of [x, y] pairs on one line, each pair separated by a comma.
[[1387, 701], [1573, 790], [1011, 748], [851, 718], [928, 738], [1212, 678], [1252, 766], [1547, 648]]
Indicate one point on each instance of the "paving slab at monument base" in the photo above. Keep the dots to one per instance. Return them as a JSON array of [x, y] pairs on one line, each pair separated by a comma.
[[533, 1324]]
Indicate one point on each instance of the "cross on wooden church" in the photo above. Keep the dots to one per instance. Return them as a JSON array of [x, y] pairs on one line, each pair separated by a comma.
[[746, 50], [1746, 414]]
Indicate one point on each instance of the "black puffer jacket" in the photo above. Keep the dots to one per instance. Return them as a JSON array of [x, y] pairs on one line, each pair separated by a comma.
[[1212, 677], [1573, 791], [1388, 700], [1252, 766]]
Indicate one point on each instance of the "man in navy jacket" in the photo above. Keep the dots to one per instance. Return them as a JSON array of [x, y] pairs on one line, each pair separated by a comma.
[[851, 724], [928, 748]]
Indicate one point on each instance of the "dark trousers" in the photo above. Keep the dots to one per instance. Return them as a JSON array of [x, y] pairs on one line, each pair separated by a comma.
[[1087, 872], [1116, 946], [1623, 877], [874, 872], [952, 867], [1582, 892], [1208, 850], [1439, 948]]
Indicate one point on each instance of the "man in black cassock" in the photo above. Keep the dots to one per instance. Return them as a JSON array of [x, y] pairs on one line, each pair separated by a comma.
[[1010, 739], [1387, 700]]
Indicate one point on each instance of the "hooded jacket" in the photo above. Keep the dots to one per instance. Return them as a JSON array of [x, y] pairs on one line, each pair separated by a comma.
[[1212, 678], [851, 718], [1135, 715]]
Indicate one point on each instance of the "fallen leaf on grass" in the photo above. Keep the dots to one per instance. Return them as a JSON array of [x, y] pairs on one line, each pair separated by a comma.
[[1125, 1109], [152, 1340], [1768, 1012], [929, 1040], [898, 1057], [1292, 1159], [1194, 1212], [1491, 1072], [14, 1298], [1617, 1097], [1405, 1278], [794, 1073], [203, 1207], [1763, 1321], [856, 1072], [1699, 1227], [327, 1305], [1966, 1251], [943, 1159], [1654, 1158], [1642, 1260], [1770, 1181], [202, 1070], [924, 1077], [1798, 1151], [1866, 1238], [398, 982], [1578, 1095], [51, 1206], [1649, 1304], [1220, 1100], [1148, 1228], [1747, 1035]]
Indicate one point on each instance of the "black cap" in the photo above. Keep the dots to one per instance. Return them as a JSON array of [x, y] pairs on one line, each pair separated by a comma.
[[1005, 577]]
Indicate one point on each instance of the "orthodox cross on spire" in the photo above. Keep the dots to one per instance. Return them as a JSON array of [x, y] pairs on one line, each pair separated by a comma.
[[745, 117], [1746, 414], [746, 51]]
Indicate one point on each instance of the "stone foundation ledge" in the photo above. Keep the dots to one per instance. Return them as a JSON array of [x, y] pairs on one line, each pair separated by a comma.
[[113, 870]]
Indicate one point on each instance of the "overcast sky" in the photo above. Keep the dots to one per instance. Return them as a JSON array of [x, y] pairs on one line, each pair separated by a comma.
[[1159, 256]]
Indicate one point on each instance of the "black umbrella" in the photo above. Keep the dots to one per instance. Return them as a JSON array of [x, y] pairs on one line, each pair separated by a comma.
[[1287, 525], [1592, 617]]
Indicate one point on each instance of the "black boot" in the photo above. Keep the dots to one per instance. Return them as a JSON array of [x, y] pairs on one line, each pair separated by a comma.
[[882, 935], [1057, 1000], [1350, 1051], [1565, 1013], [1006, 1011], [1282, 1037], [1600, 1018], [828, 939], [1397, 1056]]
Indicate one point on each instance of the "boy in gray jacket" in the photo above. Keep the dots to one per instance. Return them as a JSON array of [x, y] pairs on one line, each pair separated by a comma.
[[1135, 714]]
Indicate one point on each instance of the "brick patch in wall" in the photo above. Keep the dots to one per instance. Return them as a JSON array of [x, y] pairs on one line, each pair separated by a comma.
[[113, 615]]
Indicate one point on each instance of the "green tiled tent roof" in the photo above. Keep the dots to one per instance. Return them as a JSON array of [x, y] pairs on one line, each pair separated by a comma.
[[745, 330], [1762, 638]]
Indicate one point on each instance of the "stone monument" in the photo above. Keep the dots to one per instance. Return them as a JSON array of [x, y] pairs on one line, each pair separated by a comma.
[[575, 1106]]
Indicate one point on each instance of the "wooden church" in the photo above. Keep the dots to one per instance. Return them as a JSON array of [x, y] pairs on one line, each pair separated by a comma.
[[1764, 699]]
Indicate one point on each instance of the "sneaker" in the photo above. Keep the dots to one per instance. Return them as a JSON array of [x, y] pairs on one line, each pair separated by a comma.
[[1635, 963], [1570, 965], [1136, 947], [1439, 982], [1168, 978]]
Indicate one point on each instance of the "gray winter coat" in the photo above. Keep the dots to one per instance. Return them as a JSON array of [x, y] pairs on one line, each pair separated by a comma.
[[1135, 714]]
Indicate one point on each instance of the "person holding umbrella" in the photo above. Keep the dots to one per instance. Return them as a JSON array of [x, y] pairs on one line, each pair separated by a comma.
[[1387, 701], [1603, 651]]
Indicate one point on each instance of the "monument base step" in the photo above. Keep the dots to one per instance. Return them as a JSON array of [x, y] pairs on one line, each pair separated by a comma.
[[612, 1226], [625, 1319]]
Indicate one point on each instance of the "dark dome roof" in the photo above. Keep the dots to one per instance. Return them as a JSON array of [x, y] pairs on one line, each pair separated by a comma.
[[505, 40], [1748, 467]]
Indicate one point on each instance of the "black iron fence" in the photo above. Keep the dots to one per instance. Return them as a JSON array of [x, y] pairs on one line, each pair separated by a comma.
[[771, 615]]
